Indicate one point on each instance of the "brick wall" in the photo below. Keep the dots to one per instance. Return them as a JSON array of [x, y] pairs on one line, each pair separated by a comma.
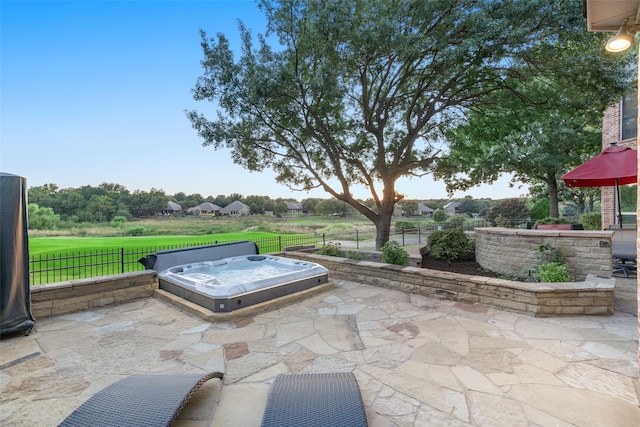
[[611, 134], [509, 251]]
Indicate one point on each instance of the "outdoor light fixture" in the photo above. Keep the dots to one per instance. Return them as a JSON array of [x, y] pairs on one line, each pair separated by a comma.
[[623, 39]]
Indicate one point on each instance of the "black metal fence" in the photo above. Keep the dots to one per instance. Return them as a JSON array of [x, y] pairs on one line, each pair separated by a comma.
[[80, 265]]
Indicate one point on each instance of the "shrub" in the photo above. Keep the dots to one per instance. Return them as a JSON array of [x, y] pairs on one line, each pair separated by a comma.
[[554, 272], [515, 208], [440, 216], [41, 218], [458, 220], [332, 249], [351, 254], [118, 221], [449, 245], [540, 209], [553, 220], [400, 224], [548, 253], [393, 253], [591, 221], [136, 231]]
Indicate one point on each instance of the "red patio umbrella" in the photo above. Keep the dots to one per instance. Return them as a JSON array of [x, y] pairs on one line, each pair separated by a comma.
[[614, 166]]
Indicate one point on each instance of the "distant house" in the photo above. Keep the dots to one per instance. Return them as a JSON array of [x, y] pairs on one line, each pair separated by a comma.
[[293, 207], [452, 208], [206, 208], [424, 210], [171, 208], [236, 208]]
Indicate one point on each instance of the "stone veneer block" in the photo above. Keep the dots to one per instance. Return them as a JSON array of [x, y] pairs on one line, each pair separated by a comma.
[[594, 296]]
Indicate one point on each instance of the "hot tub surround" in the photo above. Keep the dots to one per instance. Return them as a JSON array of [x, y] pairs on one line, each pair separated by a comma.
[[234, 283]]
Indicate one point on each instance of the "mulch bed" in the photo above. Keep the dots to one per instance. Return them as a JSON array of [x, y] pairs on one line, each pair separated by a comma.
[[464, 266]]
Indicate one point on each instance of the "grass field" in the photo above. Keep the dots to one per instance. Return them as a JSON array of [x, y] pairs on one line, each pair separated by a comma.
[[91, 250], [57, 245]]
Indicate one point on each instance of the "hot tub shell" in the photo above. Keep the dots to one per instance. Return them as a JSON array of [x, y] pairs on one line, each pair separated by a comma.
[[177, 264]]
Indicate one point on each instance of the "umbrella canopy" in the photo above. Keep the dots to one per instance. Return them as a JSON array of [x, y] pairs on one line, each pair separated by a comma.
[[614, 166]]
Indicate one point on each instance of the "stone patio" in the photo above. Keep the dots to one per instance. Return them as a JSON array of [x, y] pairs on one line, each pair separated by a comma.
[[418, 361]]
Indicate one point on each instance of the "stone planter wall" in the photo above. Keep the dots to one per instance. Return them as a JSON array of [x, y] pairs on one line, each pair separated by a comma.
[[85, 294], [508, 251], [595, 296]]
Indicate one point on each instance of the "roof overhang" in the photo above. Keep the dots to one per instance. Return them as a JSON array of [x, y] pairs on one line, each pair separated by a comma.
[[610, 15]]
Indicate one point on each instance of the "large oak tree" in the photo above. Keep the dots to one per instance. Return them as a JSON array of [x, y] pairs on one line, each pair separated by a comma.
[[359, 92]]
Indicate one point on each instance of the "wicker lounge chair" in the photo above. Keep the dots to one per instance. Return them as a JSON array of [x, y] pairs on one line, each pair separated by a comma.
[[315, 400], [139, 400]]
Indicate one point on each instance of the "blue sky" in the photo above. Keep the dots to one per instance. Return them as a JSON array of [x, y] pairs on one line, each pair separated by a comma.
[[95, 91]]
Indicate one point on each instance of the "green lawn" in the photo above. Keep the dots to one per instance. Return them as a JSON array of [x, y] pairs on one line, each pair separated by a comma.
[[60, 245]]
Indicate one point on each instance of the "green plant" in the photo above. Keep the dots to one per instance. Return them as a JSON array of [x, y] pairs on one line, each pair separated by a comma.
[[458, 220], [540, 209], [136, 231], [553, 220], [554, 272], [548, 253], [400, 224], [393, 253], [351, 254], [332, 249], [515, 208], [450, 245], [591, 221], [118, 221], [439, 216]]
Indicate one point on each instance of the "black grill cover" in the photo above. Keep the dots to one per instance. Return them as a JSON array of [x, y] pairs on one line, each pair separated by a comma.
[[15, 296]]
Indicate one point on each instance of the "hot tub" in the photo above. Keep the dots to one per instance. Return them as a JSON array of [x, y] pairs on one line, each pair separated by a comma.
[[231, 283]]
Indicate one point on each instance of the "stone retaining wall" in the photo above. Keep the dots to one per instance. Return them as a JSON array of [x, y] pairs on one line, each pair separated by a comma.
[[592, 297], [85, 294], [513, 251]]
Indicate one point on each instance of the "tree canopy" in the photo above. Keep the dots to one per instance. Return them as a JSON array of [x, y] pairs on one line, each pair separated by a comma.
[[550, 124], [360, 93]]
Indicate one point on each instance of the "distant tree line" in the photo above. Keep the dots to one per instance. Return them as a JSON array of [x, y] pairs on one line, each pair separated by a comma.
[[109, 200]]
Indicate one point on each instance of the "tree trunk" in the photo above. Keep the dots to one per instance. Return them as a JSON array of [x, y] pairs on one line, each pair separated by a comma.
[[580, 206], [383, 222], [552, 188]]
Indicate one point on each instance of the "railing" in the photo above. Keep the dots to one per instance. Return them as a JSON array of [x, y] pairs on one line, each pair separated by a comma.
[[69, 266]]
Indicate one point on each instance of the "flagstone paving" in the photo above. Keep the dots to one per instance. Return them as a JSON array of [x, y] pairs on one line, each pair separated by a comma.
[[418, 361]]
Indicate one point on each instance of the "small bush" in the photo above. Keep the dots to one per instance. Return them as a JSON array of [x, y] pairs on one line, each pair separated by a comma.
[[400, 224], [540, 209], [548, 253], [553, 220], [554, 272], [118, 221], [354, 255], [136, 231], [440, 216], [330, 250], [591, 221], [393, 253], [458, 220], [449, 245]]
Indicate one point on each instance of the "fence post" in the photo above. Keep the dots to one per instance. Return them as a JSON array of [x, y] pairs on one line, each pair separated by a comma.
[[419, 242], [122, 258], [324, 243], [279, 243], [357, 240], [402, 236]]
